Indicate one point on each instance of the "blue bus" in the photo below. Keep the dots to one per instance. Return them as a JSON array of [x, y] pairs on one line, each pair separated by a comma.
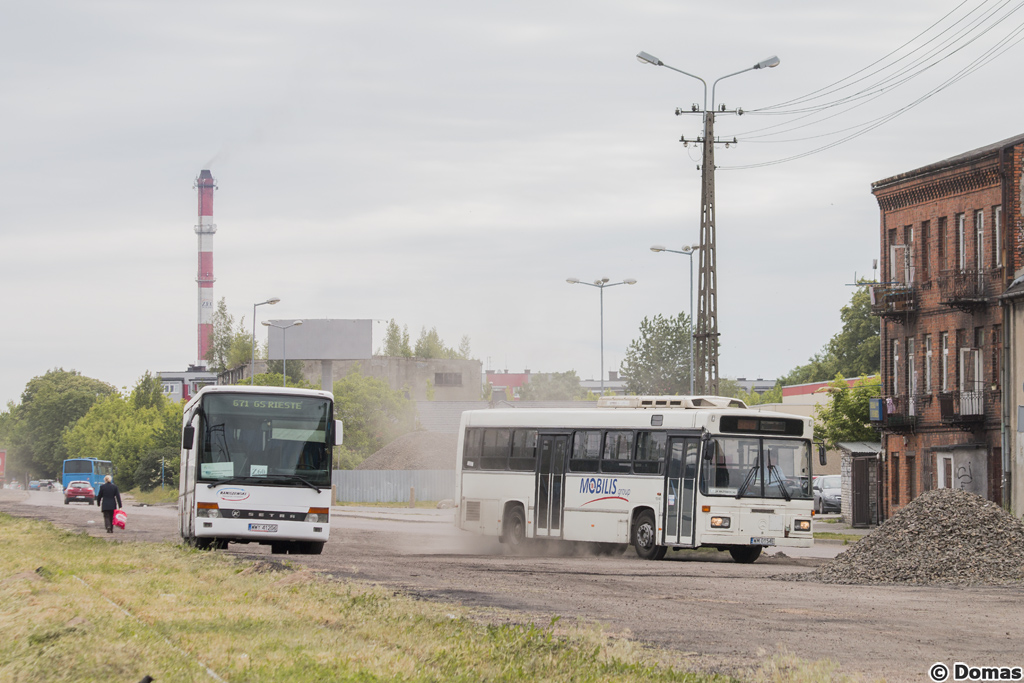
[[86, 469]]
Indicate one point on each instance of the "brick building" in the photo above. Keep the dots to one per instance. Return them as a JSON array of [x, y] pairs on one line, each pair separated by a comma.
[[951, 247]]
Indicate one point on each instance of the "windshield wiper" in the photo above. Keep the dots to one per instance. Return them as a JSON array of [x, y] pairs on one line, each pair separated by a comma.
[[746, 482], [229, 480], [296, 477], [782, 483]]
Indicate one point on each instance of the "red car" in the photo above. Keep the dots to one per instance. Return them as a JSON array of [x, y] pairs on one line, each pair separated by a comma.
[[79, 490]]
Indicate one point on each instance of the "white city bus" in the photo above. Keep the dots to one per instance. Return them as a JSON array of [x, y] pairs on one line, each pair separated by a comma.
[[256, 468], [654, 472]]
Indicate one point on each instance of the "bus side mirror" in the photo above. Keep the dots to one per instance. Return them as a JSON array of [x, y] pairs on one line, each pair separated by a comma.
[[705, 446], [188, 437], [337, 432], [821, 455]]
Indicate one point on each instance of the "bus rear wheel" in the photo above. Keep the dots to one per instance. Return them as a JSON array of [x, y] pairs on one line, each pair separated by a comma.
[[515, 531], [745, 554], [645, 538]]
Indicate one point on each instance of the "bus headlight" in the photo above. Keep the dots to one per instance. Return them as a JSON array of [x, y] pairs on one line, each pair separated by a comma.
[[720, 522], [209, 510], [317, 515], [802, 525]]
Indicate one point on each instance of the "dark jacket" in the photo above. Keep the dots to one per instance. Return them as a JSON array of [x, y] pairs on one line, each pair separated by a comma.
[[108, 497]]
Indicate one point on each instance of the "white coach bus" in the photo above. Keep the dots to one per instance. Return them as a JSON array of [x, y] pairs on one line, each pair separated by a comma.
[[654, 472], [256, 468]]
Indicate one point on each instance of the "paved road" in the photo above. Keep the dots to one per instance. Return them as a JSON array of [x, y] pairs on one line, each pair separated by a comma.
[[710, 612]]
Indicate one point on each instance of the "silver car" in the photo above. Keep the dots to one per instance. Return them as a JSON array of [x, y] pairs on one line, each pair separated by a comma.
[[828, 493]]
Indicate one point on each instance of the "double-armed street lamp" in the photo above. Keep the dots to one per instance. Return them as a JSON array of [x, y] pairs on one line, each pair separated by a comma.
[[252, 364], [601, 284], [707, 314], [284, 346], [688, 250]]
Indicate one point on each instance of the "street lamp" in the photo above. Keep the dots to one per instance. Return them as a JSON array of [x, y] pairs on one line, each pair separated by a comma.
[[686, 251], [252, 365], [601, 284], [707, 313], [284, 347]]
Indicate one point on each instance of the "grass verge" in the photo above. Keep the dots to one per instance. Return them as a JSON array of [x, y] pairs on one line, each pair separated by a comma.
[[78, 608], [835, 536]]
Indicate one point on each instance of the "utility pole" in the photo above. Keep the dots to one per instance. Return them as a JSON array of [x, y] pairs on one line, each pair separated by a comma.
[[707, 291], [707, 297]]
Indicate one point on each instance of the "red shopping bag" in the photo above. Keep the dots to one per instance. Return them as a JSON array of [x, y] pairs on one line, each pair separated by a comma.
[[120, 517]]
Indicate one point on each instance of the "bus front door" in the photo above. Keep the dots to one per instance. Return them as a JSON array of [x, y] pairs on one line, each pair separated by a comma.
[[550, 485], [679, 487]]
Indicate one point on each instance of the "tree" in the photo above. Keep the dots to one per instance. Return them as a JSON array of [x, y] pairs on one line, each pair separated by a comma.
[[845, 416], [50, 404], [552, 386], [852, 352], [372, 414], [296, 378], [125, 429], [396, 342], [222, 324], [429, 345], [658, 361]]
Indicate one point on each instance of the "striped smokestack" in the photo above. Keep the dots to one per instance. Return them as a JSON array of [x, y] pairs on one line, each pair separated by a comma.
[[205, 184]]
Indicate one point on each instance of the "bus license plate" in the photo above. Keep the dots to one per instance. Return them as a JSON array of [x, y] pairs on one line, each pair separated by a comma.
[[263, 527], [762, 540]]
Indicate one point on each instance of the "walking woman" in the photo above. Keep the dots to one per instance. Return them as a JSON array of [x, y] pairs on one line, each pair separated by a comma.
[[109, 499]]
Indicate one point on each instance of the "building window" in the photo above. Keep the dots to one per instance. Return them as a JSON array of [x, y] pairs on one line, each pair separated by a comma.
[[940, 243], [944, 343], [961, 241], [997, 352], [447, 379], [895, 367], [911, 368], [895, 479], [928, 364], [979, 240], [925, 256], [945, 471], [911, 477], [997, 226]]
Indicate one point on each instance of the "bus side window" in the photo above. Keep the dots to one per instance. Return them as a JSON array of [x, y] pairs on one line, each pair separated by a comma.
[[497, 443], [473, 449], [650, 453], [524, 450], [618, 451], [586, 451]]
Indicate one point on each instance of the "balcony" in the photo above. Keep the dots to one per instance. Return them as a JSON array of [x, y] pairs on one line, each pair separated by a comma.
[[964, 409], [895, 301], [900, 413], [963, 289]]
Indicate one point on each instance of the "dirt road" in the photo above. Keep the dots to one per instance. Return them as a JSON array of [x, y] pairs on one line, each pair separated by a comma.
[[716, 614]]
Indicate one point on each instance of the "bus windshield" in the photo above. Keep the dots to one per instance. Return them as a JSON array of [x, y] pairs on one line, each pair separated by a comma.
[[756, 467], [269, 440]]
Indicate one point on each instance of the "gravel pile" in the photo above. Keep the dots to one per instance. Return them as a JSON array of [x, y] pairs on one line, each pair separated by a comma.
[[942, 537], [415, 451]]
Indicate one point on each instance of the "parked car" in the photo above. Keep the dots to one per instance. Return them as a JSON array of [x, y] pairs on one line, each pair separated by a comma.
[[33, 485], [828, 492], [79, 490], [46, 484]]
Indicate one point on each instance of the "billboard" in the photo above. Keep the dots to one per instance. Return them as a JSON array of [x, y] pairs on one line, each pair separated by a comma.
[[322, 339]]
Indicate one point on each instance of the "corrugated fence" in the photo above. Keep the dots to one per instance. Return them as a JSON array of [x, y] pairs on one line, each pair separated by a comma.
[[392, 486]]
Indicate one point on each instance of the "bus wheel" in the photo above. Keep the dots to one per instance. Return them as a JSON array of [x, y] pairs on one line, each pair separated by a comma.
[[645, 538], [515, 531], [745, 554], [313, 548], [278, 549]]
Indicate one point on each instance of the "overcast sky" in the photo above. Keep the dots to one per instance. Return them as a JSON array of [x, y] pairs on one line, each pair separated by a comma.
[[450, 164]]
